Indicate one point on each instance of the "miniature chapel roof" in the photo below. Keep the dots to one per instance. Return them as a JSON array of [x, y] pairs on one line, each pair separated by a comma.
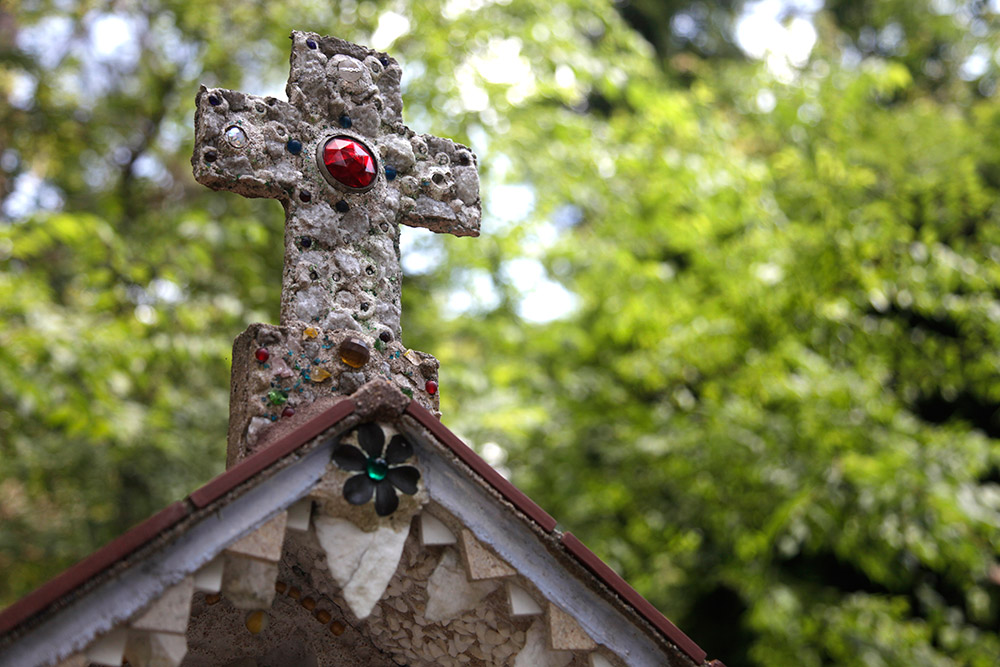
[[484, 578]]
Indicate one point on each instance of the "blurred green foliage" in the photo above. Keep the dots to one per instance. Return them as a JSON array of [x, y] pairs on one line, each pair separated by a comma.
[[774, 404]]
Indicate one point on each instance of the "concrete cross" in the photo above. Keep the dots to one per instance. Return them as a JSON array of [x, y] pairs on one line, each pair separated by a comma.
[[341, 268]]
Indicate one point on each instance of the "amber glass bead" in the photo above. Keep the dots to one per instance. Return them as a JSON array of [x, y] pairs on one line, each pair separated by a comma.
[[256, 621], [354, 352]]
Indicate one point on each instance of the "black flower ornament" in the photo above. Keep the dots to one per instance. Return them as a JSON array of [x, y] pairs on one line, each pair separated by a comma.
[[380, 471]]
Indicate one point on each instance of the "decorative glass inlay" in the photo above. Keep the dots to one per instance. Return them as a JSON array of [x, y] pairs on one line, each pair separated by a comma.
[[236, 137], [378, 465], [347, 161]]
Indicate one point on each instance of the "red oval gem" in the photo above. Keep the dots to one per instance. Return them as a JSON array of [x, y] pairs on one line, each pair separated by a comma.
[[288, 412], [349, 162], [431, 386], [262, 354]]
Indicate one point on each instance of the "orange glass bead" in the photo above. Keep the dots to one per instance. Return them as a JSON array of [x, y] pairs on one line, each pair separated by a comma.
[[256, 621], [354, 352]]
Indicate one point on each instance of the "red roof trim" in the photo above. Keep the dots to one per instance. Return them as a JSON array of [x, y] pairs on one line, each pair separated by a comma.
[[482, 468], [587, 557], [252, 465], [72, 578], [643, 606]]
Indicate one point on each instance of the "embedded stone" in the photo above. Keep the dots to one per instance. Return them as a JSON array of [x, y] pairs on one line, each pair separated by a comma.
[[248, 583], [155, 649], [351, 382], [265, 542], [521, 602], [299, 515], [565, 634], [169, 613], [434, 532], [362, 563], [536, 653], [209, 577], [598, 660], [109, 649], [449, 591], [480, 561]]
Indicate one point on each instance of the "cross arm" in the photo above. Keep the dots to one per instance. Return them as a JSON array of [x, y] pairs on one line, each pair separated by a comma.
[[242, 143], [441, 190]]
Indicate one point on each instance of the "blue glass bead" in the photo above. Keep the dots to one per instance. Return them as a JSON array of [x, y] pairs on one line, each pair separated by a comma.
[[214, 100], [345, 121], [390, 173], [342, 206], [294, 146], [311, 43]]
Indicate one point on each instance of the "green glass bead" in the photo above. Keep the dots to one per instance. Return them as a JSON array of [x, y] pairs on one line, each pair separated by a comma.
[[377, 469], [277, 397]]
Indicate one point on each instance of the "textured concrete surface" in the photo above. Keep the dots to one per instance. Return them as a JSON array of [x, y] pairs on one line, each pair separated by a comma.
[[304, 366]]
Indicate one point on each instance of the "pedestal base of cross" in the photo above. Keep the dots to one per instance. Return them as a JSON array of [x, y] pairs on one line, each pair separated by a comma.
[[279, 371], [348, 173]]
